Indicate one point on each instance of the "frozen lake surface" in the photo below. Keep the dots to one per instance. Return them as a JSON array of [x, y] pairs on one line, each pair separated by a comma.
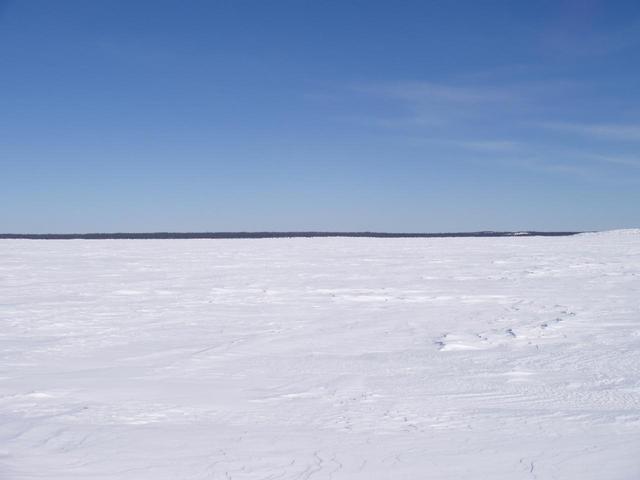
[[452, 358]]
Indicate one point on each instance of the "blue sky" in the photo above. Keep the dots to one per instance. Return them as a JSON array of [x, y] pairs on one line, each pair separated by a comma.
[[319, 115]]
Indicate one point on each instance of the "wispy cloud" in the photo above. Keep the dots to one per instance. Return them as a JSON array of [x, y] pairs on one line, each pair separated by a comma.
[[491, 146], [480, 146], [395, 123], [616, 160], [421, 104], [429, 92], [629, 132], [491, 124], [568, 169], [542, 165]]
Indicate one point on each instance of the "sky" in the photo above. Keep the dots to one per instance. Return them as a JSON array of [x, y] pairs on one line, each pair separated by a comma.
[[338, 115]]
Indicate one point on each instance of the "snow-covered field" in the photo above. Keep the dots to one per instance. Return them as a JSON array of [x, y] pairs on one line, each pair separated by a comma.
[[453, 358]]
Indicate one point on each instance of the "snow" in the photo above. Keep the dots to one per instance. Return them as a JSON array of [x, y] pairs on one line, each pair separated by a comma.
[[343, 358]]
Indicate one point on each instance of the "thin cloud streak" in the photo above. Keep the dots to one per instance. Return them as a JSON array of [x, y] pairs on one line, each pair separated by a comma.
[[491, 146], [427, 92], [629, 132], [451, 116], [624, 161], [418, 104]]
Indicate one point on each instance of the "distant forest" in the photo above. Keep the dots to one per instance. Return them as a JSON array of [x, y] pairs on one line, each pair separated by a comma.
[[223, 235]]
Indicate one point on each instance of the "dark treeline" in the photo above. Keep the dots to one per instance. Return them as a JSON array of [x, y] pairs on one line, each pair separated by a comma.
[[222, 235]]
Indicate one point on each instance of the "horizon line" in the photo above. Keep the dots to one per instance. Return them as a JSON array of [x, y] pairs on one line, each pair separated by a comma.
[[274, 234]]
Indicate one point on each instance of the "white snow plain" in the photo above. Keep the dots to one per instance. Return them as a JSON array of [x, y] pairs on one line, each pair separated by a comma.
[[335, 358]]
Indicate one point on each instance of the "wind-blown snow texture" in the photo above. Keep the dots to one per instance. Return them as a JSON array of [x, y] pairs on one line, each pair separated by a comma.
[[497, 358]]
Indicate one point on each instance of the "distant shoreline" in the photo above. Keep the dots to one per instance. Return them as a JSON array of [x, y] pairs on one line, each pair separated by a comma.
[[257, 235]]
